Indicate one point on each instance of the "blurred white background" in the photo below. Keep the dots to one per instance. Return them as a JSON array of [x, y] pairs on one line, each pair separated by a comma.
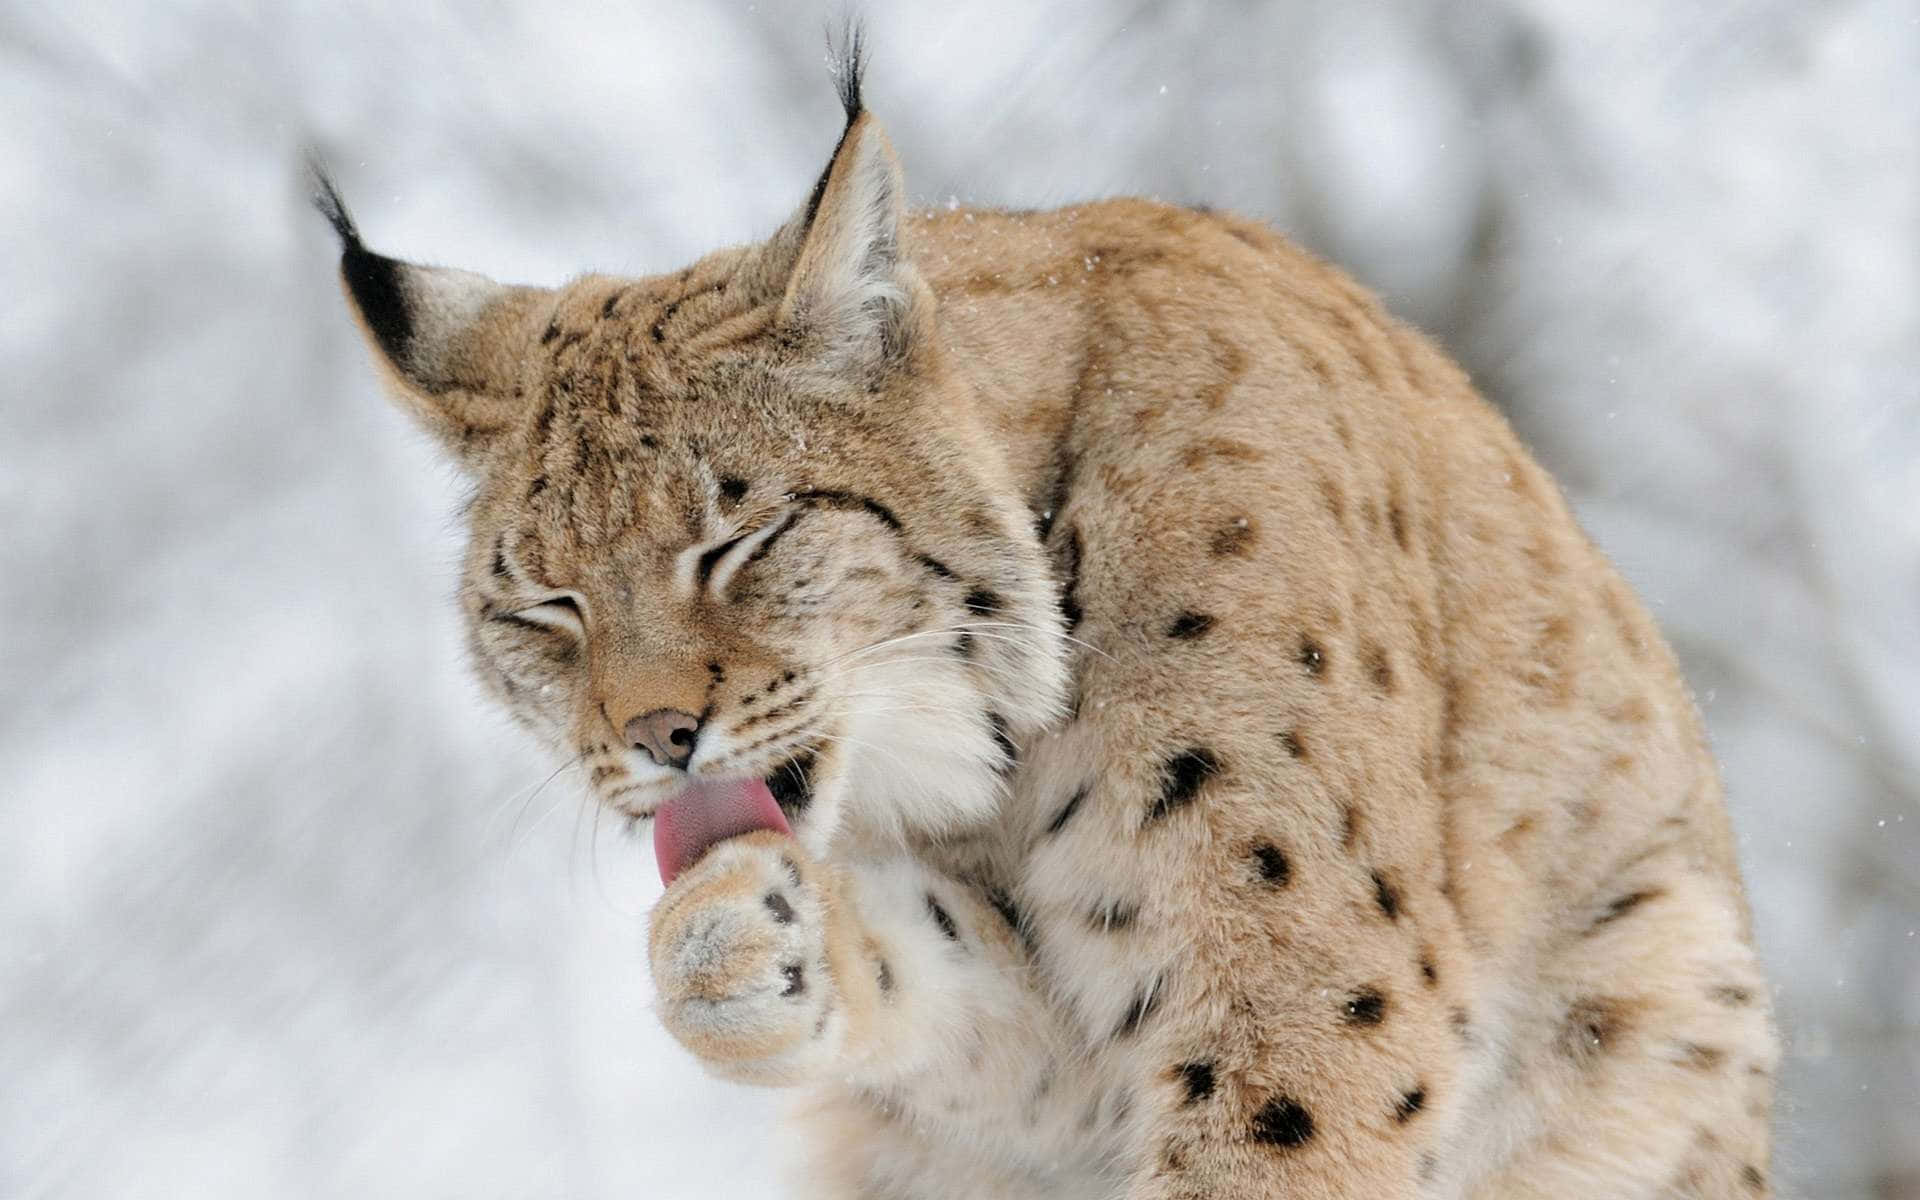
[[285, 909]]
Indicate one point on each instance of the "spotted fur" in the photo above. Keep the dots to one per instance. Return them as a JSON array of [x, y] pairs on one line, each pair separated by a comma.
[[1219, 765]]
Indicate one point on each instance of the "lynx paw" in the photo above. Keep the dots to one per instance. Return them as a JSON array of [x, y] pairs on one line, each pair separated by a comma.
[[739, 949]]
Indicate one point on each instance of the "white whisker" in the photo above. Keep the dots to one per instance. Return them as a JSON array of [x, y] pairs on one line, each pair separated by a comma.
[[527, 800], [1039, 629]]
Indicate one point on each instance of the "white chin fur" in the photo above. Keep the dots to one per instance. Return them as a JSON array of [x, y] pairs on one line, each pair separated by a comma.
[[919, 752]]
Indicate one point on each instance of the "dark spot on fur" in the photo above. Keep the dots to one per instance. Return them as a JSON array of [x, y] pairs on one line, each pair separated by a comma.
[[1334, 499], [885, 975], [1633, 711], [792, 869], [1197, 1078], [1002, 739], [1386, 896], [1144, 1002], [1731, 995], [1518, 830], [1751, 1176], [983, 602], [1312, 657], [1366, 1007], [538, 485], [613, 301], [666, 314], [943, 919], [777, 905], [1010, 913], [732, 489], [1115, 915], [1593, 1025], [1462, 1025], [1181, 779], [1233, 539], [1428, 971], [1067, 810], [1624, 905], [1230, 449], [1410, 1105], [1290, 741], [1273, 864], [1189, 625], [1380, 670], [1070, 581], [1700, 1058], [1282, 1122], [936, 566], [1055, 501], [796, 977], [552, 332], [1397, 521], [1429, 1166]]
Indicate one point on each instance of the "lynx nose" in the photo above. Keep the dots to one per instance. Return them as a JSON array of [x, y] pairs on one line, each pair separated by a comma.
[[666, 733]]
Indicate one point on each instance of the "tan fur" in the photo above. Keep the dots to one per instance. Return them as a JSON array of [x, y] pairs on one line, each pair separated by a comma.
[[1363, 840]]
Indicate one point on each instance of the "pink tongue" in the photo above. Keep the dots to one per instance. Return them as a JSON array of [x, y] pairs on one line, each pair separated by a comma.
[[689, 824]]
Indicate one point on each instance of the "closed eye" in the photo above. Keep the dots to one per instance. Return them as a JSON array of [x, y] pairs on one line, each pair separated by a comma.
[[703, 570], [742, 550], [561, 614], [712, 569]]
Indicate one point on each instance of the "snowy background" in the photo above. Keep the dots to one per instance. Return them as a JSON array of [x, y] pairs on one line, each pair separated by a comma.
[[285, 910]]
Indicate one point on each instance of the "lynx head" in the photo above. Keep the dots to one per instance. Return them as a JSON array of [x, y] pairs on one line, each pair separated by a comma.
[[737, 524]]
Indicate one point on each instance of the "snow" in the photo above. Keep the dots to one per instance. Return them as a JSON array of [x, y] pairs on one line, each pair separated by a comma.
[[284, 906]]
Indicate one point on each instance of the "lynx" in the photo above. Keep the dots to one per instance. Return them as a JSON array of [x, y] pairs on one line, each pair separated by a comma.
[[1119, 716]]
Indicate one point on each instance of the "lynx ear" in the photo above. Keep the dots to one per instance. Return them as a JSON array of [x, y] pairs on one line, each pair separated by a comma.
[[449, 343], [850, 290]]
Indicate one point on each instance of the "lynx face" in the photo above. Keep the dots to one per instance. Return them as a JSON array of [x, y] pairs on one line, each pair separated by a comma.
[[736, 524]]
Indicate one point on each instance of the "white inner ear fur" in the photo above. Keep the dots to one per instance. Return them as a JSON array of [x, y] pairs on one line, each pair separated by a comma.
[[442, 303]]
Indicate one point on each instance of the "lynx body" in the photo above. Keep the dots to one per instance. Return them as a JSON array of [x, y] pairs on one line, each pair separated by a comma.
[[1216, 763]]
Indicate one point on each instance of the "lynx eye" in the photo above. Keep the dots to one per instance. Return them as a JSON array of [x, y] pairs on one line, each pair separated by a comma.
[[562, 613]]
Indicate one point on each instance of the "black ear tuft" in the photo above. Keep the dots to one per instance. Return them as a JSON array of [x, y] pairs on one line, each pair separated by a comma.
[[849, 55], [326, 198], [373, 279]]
